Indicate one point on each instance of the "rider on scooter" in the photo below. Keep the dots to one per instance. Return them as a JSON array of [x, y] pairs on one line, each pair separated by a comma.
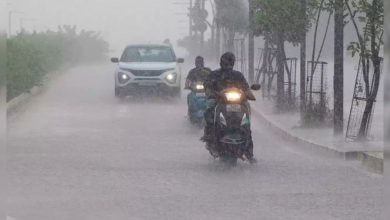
[[217, 81], [198, 74]]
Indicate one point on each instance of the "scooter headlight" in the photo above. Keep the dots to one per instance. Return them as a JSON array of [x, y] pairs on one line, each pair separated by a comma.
[[233, 96], [199, 87], [222, 119]]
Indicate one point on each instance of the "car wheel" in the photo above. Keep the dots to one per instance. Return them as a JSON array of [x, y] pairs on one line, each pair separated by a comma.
[[118, 93], [176, 92]]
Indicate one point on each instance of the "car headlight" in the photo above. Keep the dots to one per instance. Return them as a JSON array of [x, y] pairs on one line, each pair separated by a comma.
[[233, 96], [123, 77], [171, 77], [222, 119]]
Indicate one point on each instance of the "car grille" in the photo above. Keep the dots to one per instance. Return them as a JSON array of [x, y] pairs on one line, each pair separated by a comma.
[[150, 73]]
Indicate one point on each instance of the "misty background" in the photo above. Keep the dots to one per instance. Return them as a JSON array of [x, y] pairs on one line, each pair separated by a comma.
[[121, 22]]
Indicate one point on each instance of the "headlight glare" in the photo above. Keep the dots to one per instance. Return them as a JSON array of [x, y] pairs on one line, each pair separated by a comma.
[[199, 87], [171, 77], [233, 96], [123, 77]]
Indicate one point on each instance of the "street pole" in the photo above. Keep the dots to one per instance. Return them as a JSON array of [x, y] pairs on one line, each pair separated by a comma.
[[10, 13], [190, 19], [251, 43], [303, 63], [203, 7], [338, 79], [9, 24]]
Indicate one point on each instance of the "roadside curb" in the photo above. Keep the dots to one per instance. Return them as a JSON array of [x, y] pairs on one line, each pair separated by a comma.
[[368, 160], [23, 98], [14, 104]]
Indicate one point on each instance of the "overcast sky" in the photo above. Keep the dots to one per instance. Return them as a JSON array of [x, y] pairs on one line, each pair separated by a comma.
[[121, 21]]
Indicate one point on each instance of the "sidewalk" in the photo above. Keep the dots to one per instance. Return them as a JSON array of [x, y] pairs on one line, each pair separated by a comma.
[[320, 139]]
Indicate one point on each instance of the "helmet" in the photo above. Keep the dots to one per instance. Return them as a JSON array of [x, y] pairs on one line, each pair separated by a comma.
[[199, 61], [227, 61]]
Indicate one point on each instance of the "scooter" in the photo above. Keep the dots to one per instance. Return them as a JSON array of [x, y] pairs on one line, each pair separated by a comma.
[[232, 124], [197, 103]]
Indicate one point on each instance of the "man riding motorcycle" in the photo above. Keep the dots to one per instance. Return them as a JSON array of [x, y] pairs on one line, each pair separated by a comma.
[[215, 83]]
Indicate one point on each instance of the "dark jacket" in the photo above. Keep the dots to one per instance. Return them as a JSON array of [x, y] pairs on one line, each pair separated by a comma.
[[219, 80], [197, 75]]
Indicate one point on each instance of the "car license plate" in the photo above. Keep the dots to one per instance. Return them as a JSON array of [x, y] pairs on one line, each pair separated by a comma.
[[233, 108], [147, 83], [201, 94]]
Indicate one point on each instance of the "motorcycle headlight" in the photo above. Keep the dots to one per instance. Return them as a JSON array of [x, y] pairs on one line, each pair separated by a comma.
[[222, 119], [199, 87], [171, 77], [233, 96]]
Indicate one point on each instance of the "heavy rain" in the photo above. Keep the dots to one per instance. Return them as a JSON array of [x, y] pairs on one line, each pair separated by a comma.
[[192, 109]]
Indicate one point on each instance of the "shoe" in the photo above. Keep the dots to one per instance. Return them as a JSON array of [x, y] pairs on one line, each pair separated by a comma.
[[207, 138], [212, 150], [252, 160]]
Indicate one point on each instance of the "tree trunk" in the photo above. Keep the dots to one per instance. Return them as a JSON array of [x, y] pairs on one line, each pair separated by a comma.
[[338, 79], [376, 61], [230, 43], [303, 63], [218, 42], [251, 44], [280, 79], [366, 119], [230, 40]]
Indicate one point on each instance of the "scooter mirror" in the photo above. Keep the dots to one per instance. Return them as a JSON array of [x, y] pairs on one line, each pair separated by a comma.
[[256, 87], [114, 60]]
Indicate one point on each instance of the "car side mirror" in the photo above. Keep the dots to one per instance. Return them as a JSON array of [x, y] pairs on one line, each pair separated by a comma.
[[256, 87], [115, 60], [180, 60]]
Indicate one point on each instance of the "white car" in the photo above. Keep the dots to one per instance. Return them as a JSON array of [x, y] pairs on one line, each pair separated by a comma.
[[152, 67]]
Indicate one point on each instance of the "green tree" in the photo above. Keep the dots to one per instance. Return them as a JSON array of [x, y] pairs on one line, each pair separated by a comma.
[[232, 16], [282, 21], [370, 16]]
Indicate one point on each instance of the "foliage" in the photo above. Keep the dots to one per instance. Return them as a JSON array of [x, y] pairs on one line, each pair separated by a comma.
[[368, 14], [233, 17], [232, 14], [283, 19], [31, 56]]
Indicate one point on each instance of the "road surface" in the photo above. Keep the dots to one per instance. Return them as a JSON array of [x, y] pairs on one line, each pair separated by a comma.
[[76, 152]]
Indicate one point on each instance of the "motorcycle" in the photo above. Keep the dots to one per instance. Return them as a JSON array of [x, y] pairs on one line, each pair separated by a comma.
[[197, 103], [232, 121]]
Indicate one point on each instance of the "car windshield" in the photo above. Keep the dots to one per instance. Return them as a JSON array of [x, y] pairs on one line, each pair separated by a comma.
[[148, 54]]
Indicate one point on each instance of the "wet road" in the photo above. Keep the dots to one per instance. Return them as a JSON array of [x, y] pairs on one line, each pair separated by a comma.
[[76, 152]]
